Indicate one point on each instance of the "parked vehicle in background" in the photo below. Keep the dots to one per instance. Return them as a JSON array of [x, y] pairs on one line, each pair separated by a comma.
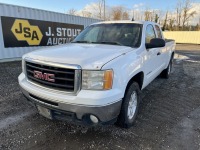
[[98, 78]]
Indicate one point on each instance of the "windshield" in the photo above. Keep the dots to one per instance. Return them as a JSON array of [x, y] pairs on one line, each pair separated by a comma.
[[117, 34]]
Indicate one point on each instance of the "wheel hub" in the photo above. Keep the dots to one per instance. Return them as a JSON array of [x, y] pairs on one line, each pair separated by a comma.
[[132, 105]]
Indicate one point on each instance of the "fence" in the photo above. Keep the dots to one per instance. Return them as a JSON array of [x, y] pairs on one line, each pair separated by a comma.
[[188, 37]]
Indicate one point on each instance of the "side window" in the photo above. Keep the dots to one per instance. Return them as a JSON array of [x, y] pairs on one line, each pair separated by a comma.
[[150, 33], [158, 31]]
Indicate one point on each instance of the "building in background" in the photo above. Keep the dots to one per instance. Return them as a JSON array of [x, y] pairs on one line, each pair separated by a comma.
[[25, 29]]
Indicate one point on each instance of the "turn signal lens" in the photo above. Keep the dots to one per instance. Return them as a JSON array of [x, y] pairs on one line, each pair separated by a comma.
[[108, 79]]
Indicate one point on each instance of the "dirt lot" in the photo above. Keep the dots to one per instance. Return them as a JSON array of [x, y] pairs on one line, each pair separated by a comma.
[[169, 116]]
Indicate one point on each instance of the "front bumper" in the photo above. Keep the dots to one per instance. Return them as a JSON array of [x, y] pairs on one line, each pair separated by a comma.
[[71, 112]]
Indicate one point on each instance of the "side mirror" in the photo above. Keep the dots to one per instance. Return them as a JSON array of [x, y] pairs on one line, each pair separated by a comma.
[[155, 43]]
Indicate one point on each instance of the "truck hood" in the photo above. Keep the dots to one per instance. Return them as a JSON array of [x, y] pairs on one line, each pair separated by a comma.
[[88, 56]]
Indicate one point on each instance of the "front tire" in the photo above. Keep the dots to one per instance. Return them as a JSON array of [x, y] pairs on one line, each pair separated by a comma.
[[130, 105]]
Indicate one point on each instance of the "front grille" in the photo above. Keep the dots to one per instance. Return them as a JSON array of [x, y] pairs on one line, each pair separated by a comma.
[[64, 79]]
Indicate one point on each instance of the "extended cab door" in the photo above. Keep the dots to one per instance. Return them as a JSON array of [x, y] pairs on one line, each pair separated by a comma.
[[152, 65], [163, 50]]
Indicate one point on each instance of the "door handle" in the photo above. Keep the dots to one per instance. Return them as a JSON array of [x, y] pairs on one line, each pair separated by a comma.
[[159, 53]]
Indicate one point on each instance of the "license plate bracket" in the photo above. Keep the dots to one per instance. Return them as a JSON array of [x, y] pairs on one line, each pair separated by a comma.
[[44, 112]]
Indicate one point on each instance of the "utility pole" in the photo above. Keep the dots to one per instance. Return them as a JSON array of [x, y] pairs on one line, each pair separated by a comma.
[[133, 19], [104, 1]]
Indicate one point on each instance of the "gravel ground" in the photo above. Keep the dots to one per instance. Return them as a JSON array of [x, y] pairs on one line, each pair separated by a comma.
[[169, 117]]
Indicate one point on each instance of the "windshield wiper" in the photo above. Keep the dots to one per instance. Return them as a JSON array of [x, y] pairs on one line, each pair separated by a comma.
[[102, 42], [80, 42], [109, 42]]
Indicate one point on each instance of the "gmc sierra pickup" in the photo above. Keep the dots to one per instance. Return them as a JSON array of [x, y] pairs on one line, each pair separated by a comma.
[[98, 77]]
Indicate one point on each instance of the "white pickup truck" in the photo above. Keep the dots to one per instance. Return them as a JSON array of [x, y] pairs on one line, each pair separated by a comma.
[[98, 77]]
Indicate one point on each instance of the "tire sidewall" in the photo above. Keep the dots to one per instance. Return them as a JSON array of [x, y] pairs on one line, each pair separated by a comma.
[[124, 111], [169, 67], [165, 73]]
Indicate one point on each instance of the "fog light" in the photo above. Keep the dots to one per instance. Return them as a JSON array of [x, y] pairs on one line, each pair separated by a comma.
[[94, 119]]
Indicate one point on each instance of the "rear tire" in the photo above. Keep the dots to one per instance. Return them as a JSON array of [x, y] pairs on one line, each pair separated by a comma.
[[130, 105], [166, 73]]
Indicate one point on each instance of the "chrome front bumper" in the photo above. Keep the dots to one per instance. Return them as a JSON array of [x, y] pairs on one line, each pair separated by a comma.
[[78, 113]]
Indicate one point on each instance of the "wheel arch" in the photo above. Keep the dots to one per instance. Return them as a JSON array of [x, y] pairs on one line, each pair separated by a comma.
[[172, 55], [139, 78]]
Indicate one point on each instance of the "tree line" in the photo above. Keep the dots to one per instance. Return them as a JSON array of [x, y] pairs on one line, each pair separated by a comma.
[[178, 19]]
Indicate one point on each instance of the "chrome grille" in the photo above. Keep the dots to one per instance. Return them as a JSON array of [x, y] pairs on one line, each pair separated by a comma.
[[65, 79]]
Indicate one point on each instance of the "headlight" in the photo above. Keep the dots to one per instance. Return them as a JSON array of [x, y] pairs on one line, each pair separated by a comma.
[[97, 80]]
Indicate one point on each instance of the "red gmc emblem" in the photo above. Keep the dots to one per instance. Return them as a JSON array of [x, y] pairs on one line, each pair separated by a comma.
[[44, 76]]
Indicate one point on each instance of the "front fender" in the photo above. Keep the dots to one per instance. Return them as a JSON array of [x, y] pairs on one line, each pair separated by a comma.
[[125, 68]]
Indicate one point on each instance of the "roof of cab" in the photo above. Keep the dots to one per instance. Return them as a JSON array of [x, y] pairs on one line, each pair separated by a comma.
[[125, 21]]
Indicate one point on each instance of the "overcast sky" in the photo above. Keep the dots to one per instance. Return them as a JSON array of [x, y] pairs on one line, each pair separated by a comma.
[[64, 5]]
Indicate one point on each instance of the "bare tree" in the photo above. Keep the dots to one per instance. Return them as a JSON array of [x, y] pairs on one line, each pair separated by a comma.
[[187, 13], [117, 12], [138, 14], [125, 16], [171, 24], [184, 13], [156, 18], [165, 21], [99, 7], [179, 19], [86, 14], [152, 15], [179, 9], [71, 12], [147, 15], [197, 27]]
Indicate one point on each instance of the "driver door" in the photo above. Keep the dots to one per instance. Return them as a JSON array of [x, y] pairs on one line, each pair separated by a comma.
[[152, 62]]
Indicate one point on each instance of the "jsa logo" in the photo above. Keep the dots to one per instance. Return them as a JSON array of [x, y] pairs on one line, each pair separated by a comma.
[[23, 31]]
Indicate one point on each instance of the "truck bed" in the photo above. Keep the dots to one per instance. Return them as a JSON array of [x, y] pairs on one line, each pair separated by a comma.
[[169, 40]]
